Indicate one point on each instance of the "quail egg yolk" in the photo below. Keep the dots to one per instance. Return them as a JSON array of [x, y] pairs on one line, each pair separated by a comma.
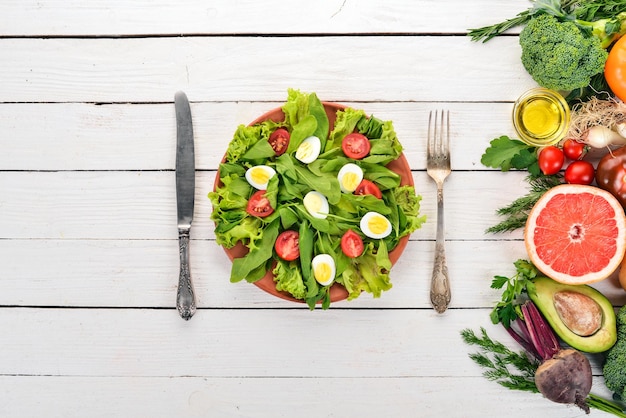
[[259, 175]]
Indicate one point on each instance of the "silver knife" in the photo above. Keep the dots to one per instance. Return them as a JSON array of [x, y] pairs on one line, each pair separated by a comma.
[[185, 192]]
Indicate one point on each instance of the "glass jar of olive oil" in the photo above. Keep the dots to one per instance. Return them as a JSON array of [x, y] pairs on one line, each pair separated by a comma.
[[541, 117]]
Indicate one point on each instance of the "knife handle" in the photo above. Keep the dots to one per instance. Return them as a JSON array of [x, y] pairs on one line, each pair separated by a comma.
[[185, 298]]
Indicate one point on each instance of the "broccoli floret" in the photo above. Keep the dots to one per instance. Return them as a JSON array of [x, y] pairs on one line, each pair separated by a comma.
[[558, 55], [615, 364]]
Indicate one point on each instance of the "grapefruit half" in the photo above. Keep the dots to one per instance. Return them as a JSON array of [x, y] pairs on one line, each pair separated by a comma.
[[576, 234]]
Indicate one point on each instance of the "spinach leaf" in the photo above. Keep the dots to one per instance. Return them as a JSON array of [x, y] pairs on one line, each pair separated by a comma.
[[305, 242], [327, 184], [316, 108], [260, 151], [304, 129]]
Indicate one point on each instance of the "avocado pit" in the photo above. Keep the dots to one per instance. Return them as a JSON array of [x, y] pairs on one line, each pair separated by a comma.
[[579, 313]]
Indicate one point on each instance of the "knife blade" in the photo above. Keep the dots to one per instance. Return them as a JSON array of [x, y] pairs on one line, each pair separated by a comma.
[[185, 193]]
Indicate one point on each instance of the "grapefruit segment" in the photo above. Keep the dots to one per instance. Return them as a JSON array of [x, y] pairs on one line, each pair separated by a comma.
[[576, 234]]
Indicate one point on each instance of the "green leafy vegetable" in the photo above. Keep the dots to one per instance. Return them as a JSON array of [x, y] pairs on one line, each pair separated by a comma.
[[506, 154], [506, 310], [248, 266], [289, 279]]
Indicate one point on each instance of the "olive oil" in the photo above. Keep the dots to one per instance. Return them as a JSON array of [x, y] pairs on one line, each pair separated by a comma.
[[541, 117]]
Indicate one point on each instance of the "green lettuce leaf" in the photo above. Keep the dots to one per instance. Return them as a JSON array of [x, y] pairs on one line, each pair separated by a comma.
[[369, 273], [289, 279], [246, 137]]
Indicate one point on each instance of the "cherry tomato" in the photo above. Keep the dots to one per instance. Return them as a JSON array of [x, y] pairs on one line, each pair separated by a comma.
[[287, 245], [352, 244], [615, 68], [356, 146], [279, 140], [580, 172], [611, 175], [573, 149], [259, 205], [551, 160], [368, 187]]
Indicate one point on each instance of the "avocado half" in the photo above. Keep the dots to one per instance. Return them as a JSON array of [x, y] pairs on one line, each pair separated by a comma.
[[546, 294]]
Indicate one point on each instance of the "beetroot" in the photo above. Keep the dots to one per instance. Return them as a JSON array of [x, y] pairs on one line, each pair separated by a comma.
[[564, 375], [565, 378]]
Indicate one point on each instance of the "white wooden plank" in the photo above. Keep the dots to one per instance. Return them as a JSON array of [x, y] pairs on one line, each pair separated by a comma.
[[104, 397], [144, 273], [138, 17], [395, 68], [243, 343], [141, 205], [76, 136]]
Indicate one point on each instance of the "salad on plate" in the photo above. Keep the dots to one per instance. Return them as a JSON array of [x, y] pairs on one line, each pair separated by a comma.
[[314, 202]]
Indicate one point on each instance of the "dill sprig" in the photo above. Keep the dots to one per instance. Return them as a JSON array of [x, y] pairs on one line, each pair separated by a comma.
[[517, 212], [513, 370]]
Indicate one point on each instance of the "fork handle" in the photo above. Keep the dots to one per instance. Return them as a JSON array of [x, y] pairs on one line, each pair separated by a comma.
[[440, 285]]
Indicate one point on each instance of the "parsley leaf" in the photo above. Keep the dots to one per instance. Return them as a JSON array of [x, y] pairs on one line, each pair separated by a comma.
[[506, 310], [506, 153]]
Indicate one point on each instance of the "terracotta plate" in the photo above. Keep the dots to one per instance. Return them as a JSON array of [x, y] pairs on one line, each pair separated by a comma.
[[337, 291]]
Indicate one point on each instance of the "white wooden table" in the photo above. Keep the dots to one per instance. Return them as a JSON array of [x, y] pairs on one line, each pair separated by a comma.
[[87, 210]]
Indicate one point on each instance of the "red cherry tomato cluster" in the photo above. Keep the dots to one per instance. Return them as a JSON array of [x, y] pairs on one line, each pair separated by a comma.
[[551, 160]]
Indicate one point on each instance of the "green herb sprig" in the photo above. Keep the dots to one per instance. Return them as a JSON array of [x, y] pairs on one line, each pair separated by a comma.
[[517, 212], [513, 370], [507, 310]]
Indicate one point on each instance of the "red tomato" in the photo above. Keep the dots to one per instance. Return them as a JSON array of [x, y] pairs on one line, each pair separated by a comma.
[[611, 176], [259, 205], [352, 244], [580, 172], [551, 160], [279, 140], [615, 68], [355, 146], [368, 187], [287, 245], [573, 149]]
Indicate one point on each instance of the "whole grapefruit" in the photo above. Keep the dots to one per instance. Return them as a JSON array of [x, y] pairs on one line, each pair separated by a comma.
[[576, 234]]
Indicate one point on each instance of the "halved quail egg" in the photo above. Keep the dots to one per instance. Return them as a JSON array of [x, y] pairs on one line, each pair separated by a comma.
[[259, 175]]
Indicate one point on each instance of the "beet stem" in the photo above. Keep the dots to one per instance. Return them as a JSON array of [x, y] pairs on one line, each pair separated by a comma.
[[541, 334], [523, 338]]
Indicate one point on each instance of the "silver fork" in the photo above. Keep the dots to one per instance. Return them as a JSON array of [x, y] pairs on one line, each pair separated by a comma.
[[438, 167]]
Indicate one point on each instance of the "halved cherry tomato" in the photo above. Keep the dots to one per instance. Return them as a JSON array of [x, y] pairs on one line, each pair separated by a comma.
[[580, 172], [368, 187], [615, 68], [259, 205], [287, 246], [573, 149], [551, 160], [356, 146], [279, 140], [352, 244]]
